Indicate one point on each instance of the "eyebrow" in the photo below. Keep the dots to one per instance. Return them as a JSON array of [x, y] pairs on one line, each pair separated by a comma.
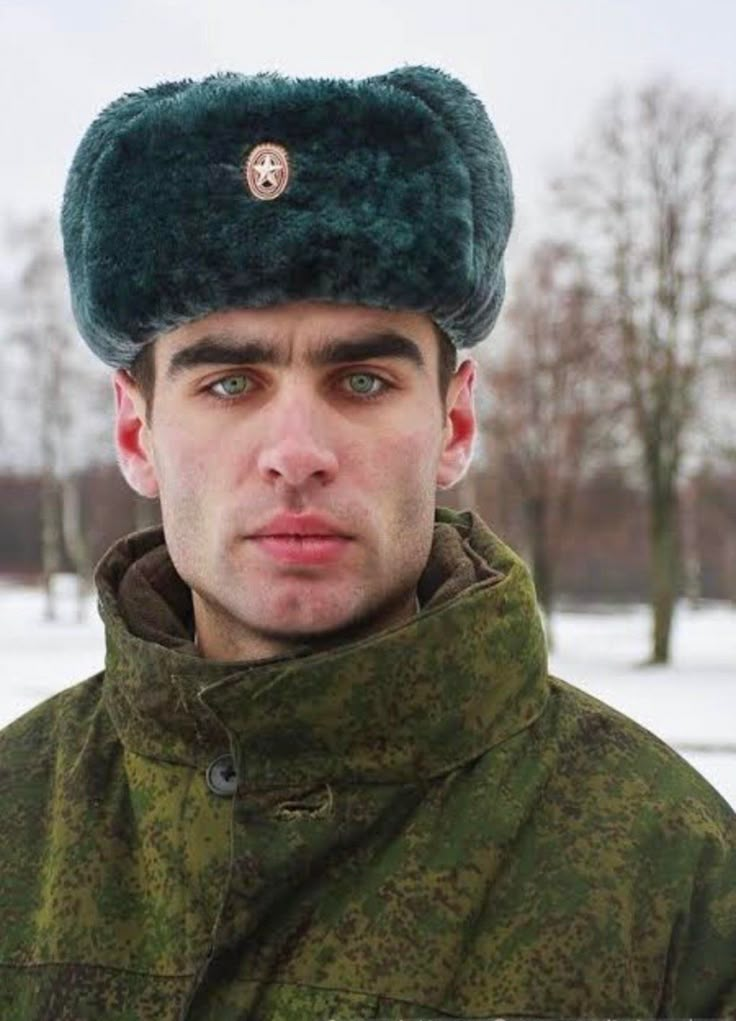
[[223, 349]]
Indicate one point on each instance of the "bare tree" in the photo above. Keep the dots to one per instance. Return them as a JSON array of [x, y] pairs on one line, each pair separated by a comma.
[[543, 426], [653, 196], [60, 398]]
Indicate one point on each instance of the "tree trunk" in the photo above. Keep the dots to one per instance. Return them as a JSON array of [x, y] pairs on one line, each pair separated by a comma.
[[729, 570], [537, 520], [665, 570], [75, 540], [50, 541]]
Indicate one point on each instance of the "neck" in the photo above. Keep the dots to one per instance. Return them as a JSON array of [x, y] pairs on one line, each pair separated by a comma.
[[219, 636]]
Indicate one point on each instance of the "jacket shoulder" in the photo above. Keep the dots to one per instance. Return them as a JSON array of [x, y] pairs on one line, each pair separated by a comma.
[[40, 754], [54, 760], [56, 727], [597, 740], [627, 815]]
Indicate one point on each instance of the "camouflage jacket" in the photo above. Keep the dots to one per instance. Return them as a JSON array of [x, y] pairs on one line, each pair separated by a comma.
[[421, 823]]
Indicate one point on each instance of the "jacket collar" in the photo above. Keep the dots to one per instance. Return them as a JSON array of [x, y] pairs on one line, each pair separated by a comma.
[[411, 702]]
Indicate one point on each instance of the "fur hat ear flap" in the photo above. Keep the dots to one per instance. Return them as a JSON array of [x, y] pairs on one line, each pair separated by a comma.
[[491, 198]]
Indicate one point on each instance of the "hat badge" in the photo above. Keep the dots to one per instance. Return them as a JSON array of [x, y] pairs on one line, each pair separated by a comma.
[[267, 171]]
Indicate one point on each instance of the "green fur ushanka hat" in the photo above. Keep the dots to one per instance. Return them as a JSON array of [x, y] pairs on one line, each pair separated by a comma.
[[240, 191]]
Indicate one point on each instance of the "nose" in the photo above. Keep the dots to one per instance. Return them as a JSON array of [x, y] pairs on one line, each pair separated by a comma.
[[297, 446]]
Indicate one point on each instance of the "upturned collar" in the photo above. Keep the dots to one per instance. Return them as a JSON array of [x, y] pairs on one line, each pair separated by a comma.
[[411, 702]]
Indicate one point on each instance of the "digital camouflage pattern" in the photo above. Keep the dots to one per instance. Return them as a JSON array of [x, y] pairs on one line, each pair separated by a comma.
[[425, 825]]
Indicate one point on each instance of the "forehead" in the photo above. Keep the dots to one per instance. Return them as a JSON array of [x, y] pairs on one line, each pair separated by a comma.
[[296, 331]]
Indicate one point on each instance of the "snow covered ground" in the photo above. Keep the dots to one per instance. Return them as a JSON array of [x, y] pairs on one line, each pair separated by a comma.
[[691, 704]]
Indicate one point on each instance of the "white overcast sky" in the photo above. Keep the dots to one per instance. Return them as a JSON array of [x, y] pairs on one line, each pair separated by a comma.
[[539, 65]]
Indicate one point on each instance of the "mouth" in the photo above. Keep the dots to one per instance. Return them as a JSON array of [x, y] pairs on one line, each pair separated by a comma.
[[302, 549], [299, 537]]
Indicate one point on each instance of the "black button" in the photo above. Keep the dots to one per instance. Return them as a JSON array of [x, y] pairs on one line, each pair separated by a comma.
[[221, 776]]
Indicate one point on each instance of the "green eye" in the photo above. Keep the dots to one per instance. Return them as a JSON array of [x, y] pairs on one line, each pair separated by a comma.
[[231, 386], [362, 384], [365, 384]]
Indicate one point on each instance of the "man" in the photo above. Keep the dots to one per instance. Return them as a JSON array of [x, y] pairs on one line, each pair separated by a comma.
[[324, 773]]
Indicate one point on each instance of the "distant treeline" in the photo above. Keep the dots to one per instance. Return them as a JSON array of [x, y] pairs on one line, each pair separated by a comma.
[[604, 557]]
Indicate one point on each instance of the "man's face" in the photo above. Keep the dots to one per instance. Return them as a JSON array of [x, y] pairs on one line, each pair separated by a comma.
[[300, 409]]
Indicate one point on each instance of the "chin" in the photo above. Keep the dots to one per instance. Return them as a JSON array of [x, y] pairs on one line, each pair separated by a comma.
[[278, 622], [314, 627]]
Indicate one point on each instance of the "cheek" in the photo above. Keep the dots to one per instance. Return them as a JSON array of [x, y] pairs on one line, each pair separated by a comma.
[[401, 459], [183, 465], [422, 445]]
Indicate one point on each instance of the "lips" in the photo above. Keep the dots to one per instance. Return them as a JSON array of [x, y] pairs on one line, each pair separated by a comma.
[[302, 549], [305, 539], [286, 525]]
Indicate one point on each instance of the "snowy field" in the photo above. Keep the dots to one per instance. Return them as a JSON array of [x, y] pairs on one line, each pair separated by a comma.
[[691, 704]]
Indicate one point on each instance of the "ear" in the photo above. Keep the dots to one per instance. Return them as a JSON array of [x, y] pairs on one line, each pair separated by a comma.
[[459, 432], [133, 436]]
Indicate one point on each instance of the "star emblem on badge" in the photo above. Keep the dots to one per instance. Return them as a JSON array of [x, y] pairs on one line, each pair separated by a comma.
[[267, 171]]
